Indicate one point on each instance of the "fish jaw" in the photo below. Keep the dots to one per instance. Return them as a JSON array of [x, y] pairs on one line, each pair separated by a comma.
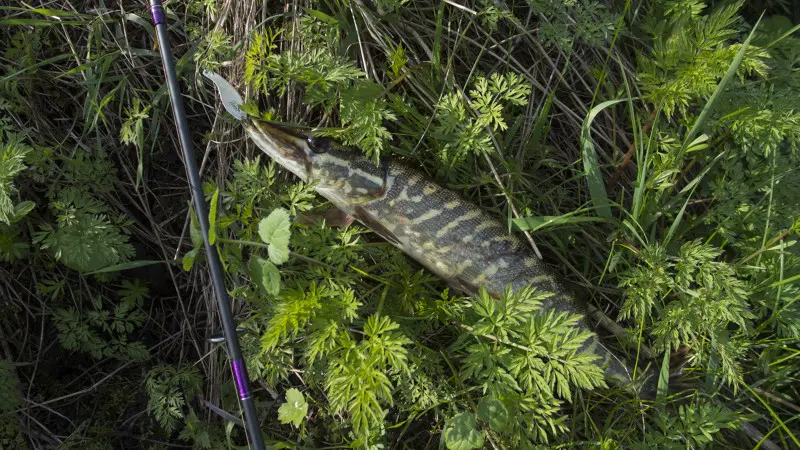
[[287, 147]]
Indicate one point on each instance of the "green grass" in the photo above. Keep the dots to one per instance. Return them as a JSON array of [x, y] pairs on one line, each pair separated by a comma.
[[648, 150]]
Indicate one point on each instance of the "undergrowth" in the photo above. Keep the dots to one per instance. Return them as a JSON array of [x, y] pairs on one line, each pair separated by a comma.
[[648, 149]]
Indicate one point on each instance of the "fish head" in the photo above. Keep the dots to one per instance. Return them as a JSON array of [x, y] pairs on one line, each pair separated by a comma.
[[336, 170], [340, 173]]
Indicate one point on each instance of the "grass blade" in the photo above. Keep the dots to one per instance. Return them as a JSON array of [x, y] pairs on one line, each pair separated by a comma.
[[541, 126], [212, 218], [42, 22], [130, 265], [597, 187], [48, 12], [663, 380], [691, 188], [47, 61], [783, 36], [534, 223], [701, 118], [774, 415]]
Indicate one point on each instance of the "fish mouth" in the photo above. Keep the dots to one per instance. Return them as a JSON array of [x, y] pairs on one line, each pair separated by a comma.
[[286, 145]]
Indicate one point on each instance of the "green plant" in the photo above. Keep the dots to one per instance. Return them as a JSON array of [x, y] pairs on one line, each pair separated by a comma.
[[568, 22], [463, 123], [169, 391], [526, 361], [691, 53], [294, 409], [12, 156], [700, 298], [85, 238], [102, 332], [203, 436], [10, 395], [693, 125], [330, 81], [215, 48], [12, 162], [10, 400], [694, 426]]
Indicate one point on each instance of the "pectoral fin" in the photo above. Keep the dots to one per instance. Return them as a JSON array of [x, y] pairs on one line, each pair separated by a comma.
[[333, 217], [462, 285], [371, 222], [468, 287]]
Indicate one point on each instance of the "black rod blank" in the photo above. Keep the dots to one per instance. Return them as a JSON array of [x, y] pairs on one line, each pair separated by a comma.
[[252, 426]]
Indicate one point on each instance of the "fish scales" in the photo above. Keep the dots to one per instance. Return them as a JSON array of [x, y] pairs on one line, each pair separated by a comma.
[[450, 236], [467, 242]]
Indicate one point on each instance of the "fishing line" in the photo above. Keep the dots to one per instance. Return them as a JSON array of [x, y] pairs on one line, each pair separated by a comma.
[[252, 426]]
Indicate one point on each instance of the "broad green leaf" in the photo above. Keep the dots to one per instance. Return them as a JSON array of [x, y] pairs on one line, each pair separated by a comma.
[[274, 230], [461, 434], [278, 254], [322, 17], [142, 22], [212, 218], [194, 229], [188, 259], [591, 165], [265, 275], [295, 408], [495, 413], [21, 210], [701, 143]]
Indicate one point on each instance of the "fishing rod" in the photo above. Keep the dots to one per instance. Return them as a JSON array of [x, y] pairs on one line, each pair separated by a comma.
[[252, 427]]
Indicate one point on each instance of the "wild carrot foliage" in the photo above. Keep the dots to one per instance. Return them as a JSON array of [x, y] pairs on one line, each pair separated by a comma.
[[648, 148]]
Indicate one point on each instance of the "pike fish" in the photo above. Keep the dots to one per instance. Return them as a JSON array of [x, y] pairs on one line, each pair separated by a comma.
[[452, 237]]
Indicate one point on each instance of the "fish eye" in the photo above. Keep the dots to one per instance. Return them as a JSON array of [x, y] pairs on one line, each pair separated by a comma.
[[319, 145]]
